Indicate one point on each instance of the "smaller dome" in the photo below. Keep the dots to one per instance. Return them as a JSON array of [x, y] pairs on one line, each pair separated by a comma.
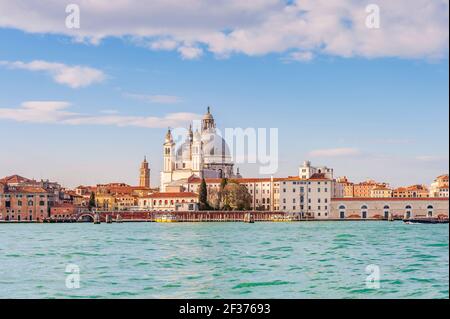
[[208, 115]]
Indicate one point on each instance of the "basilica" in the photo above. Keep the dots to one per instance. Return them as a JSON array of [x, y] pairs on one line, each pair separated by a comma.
[[203, 154]]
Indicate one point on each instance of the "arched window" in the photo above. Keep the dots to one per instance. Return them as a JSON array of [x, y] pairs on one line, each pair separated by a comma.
[[430, 211], [408, 214], [386, 207], [364, 211], [342, 207]]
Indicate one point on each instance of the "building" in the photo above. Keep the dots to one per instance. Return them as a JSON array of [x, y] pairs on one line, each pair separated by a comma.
[[346, 186], [24, 203], [63, 211], [203, 154], [380, 192], [306, 171], [439, 188], [384, 208], [309, 196], [413, 191], [181, 201], [23, 199], [144, 174], [364, 189]]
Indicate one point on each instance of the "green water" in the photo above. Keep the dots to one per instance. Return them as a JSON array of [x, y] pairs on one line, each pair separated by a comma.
[[225, 260]]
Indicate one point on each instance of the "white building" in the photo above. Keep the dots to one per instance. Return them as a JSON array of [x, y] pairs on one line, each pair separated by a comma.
[[439, 188], [203, 154], [306, 171], [181, 201]]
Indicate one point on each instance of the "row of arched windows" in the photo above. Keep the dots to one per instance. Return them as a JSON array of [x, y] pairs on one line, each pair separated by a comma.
[[386, 210]]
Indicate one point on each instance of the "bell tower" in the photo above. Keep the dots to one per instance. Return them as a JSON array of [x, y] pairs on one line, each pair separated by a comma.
[[144, 174], [169, 152]]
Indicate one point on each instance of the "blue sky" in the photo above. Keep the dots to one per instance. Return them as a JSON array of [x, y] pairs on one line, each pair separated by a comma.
[[385, 114]]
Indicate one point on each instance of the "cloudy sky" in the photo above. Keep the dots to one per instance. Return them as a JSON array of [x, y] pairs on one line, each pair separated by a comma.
[[84, 105]]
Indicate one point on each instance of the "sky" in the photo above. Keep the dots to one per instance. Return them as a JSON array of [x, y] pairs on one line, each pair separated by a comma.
[[84, 105]]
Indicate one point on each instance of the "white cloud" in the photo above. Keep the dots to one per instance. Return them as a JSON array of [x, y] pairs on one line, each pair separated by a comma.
[[335, 152], [73, 76], [56, 112], [409, 28], [190, 53], [157, 99]]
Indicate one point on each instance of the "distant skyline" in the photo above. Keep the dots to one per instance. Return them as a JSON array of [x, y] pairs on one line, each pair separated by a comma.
[[84, 106]]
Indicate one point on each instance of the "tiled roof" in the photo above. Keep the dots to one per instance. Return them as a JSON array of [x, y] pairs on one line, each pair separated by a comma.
[[14, 179], [27, 189]]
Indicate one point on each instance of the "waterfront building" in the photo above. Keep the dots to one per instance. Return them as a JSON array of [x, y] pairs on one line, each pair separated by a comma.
[[144, 174], [203, 154], [180, 201], [413, 191], [439, 188], [24, 203], [309, 197], [384, 208], [24, 199], [304, 196]]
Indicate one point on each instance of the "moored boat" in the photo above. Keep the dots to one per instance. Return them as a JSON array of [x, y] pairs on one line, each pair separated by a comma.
[[426, 221]]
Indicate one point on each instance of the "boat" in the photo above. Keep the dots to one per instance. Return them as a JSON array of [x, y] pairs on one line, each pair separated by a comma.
[[166, 219], [426, 221]]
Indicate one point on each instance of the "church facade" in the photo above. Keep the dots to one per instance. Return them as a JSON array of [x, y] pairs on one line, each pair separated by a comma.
[[203, 154]]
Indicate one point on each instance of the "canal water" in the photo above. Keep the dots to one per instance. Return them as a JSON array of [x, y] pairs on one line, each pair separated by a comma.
[[225, 260]]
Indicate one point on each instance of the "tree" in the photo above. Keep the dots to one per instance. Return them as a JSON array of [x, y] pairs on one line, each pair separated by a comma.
[[236, 197], [203, 196], [92, 201]]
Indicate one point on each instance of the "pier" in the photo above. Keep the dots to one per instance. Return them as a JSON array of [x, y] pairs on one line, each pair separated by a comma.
[[179, 216]]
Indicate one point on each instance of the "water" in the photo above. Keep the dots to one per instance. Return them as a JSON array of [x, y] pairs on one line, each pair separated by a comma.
[[225, 260]]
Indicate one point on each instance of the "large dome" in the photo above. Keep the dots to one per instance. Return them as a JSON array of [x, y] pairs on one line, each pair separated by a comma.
[[214, 149]]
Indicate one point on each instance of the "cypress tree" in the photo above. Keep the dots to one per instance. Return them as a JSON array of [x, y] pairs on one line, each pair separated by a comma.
[[92, 201], [203, 195]]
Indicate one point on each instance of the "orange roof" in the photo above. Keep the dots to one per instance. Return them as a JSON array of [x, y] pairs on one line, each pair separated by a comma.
[[14, 179], [318, 176], [28, 189]]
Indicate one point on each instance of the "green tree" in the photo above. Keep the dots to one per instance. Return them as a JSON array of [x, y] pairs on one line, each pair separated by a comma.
[[92, 201], [203, 196], [236, 197]]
